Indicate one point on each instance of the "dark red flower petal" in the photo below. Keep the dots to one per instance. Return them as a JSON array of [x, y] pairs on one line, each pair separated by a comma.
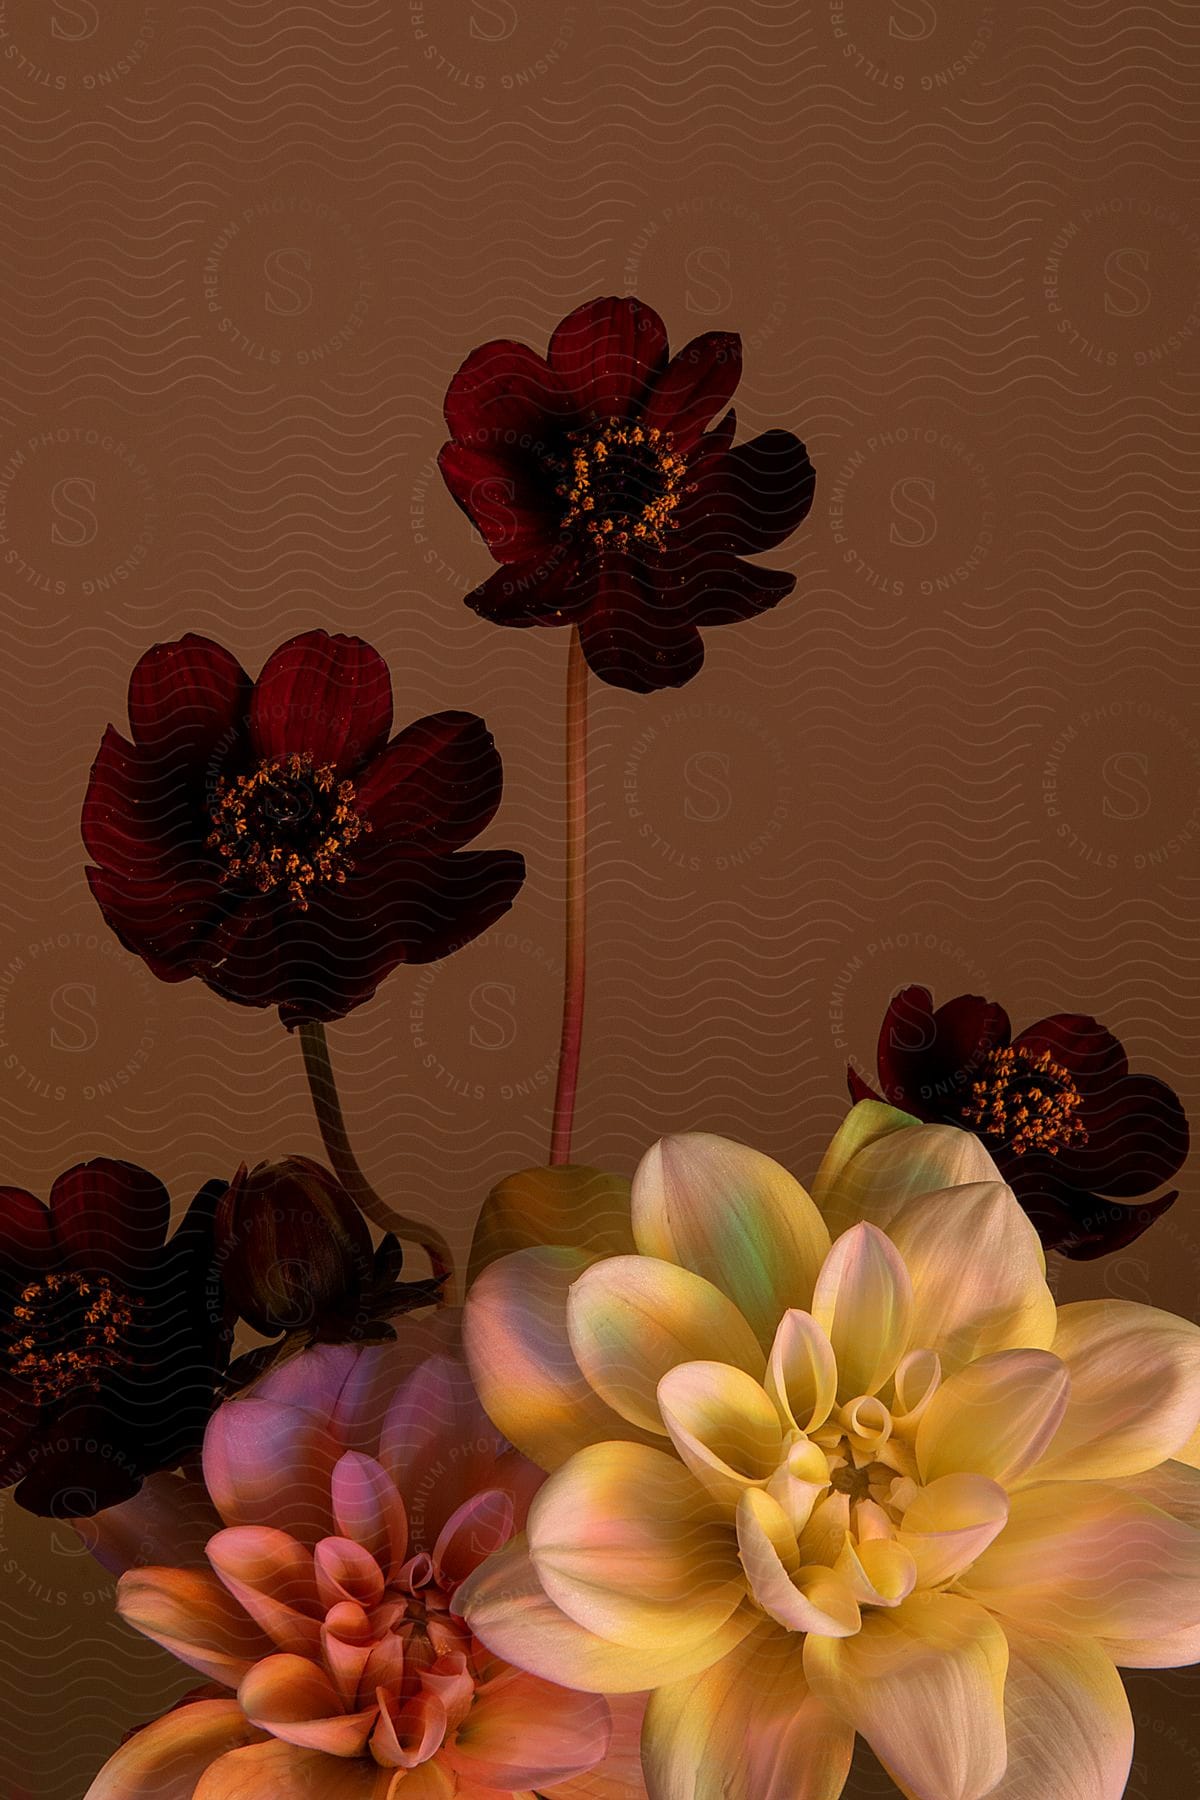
[[543, 590], [187, 700], [752, 498], [1137, 1139], [605, 354], [635, 633], [26, 1240], [109, 1215], [505, 390], [927, 1058], [1095, 1059], [724, 590], [140, 814], [695, 385], [87, 1461], [859, 1089], [330, 696], [515, 514], [1079, 1224], [164, 921], [436, 786]]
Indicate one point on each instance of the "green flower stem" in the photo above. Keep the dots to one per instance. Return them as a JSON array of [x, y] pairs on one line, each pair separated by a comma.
[[575, 980]]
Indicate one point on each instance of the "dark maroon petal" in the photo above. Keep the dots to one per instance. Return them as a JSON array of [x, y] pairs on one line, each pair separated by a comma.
[[1080, 1224], [635, 633], [109, 1215], [1137, 1139], [1095, 1059], [695, 385], [77, 1464], [859, 1089], [605, 353], [752, 498], [928, 1058], [187, 700], [515, 514], [436, 785], [164, 921], [724, 590], [505, 390], [142, 818], [543, 590], [26, 1240], [330, 696]]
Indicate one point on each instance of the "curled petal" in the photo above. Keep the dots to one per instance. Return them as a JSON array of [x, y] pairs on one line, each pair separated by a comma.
[[863, 1303], [631, 1318], [802, 1371], [723, 1425], [995, 1417], [879, 1571], [367, 1508], [629, 1545], [271, 1576], [733, 1216], [481, 1525], [800, 1598], [950, 1523], [293, 1699]]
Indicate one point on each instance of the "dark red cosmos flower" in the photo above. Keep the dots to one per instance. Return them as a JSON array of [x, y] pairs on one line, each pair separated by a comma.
[[267, 837], [592, 476], [112, 1338], [1076, 1136]]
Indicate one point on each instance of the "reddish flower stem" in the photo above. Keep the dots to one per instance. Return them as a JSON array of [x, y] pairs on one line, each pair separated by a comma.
[[575, 981], [318, 1068]]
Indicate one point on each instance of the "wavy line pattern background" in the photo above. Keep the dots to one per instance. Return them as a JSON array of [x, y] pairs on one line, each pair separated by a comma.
[[247, 245]]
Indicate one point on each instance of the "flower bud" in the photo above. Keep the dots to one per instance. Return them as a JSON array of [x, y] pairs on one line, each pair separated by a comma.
[[292, 1247]]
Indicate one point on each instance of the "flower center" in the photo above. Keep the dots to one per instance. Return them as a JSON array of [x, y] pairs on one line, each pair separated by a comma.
[[67, 1331], [288, 825], [621, 485], [1026, 1101]]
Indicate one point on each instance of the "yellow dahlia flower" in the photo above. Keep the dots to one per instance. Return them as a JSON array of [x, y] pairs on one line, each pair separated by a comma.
[[836, 1464]]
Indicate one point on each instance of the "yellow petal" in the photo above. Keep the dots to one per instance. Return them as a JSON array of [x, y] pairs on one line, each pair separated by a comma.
[[978, 1273], [924, 1684], [723, 1425], [995, 1417], [631, 1318], [1175, 1487], [1135, 1390], [802, 1371], [863, 1304], [1086, 1558], [1070, 1733], [733, 1216], [515, 1334], [879, 1571], [168, 1756], [950, 1523], [748, 1729], [583, 1208], [627, 1542], [510, 1612], [799, 1597], [880, 1158]]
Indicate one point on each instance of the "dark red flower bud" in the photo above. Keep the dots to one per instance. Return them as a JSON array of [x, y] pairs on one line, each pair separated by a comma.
[[292, 1248]]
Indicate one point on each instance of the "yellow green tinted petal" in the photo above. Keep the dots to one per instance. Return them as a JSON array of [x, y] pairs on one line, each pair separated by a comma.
[[515, 1335], [863, 1304], [978, 1273], [631, 1318], [802, 1371], [881, 1158], [733, 1216], [1069, 1728], [1135, 1390], [586, 1209], [748, 1729], [924, 1684], [723, 1425], [627, 1543], [799, 1597], [950, 1523], [510, 1612], [995, 1417], [1086, 1558]]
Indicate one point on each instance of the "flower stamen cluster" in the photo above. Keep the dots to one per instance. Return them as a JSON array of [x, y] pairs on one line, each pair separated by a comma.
[[288, 824], [1027, 1101], [624, 485]]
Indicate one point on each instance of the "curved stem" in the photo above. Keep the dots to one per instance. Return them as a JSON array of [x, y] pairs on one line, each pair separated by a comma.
[[321, 1085], [575, 980]]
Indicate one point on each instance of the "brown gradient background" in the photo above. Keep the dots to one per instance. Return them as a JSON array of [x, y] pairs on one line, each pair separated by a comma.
[[247, 243]]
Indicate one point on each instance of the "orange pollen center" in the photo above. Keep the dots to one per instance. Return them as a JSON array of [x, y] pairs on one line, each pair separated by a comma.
[[1027, 1102], [288, 825], [67, 1331], [622, 485]]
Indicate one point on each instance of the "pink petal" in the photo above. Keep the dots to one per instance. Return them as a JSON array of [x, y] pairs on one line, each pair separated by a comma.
[[479, 1526], [293, 1699], [367, 1508], [271, 1576], [407, 1735], [188, 1612], [281, 1771], [267, 1464], [345, 1571], [168, 1522], [523, 1732]]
